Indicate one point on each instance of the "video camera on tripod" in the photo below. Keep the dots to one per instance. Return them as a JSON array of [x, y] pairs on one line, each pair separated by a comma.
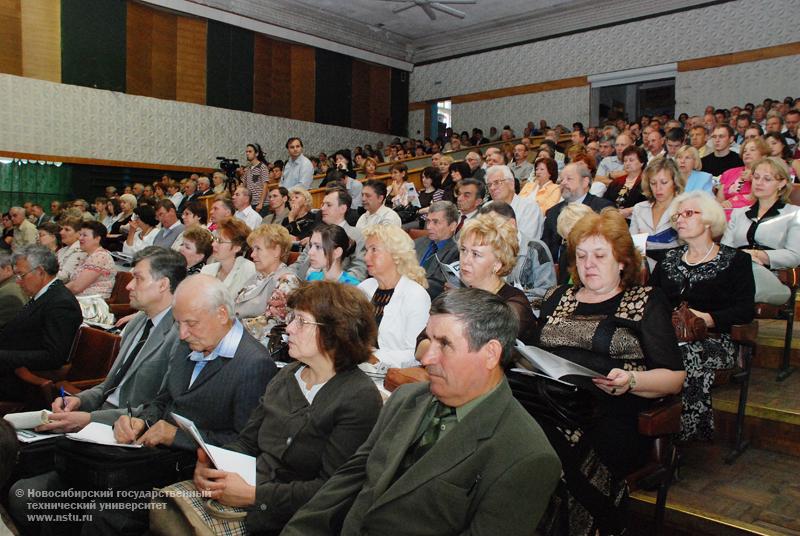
[[229, 166]]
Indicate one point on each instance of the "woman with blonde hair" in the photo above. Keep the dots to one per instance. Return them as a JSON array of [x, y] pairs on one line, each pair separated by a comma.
[[691, 165], [300, 221], [396, 289], [488, 248], [769, 230], [370, 165], [662, 182], [229, 247], [269, 246]]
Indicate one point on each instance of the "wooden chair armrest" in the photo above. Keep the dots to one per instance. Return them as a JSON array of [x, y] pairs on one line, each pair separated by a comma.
[[662, 418], [395, 377], [30, 378], [789, 277], [745, 333]]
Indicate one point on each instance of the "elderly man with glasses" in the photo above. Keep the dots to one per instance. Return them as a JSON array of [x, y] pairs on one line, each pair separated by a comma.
[[39, 337]]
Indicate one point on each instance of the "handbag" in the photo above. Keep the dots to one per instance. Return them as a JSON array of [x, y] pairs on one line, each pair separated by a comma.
[[407, 213], [556, 402], [94, 309], [688, 326], [186, 513]]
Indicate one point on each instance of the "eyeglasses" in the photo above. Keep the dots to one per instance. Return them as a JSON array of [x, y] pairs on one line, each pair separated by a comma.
[[495, 183], [291, 316], [219, 240], [22, 276], [688, 213]]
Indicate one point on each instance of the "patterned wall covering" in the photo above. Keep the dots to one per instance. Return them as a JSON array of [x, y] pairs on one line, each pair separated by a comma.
[[563, 106], [729, 27], [416, 124], [720, 29], [57, 119], [737, 84]]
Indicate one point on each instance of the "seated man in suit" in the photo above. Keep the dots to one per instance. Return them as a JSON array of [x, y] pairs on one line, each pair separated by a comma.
[[40, 336], [454, 456], [334, 208], [11, 297], [438, 246], [149, 340], [576, 180], [171, 226]]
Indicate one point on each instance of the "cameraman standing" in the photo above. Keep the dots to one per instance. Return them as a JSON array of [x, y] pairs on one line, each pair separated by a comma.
[[255, 175]]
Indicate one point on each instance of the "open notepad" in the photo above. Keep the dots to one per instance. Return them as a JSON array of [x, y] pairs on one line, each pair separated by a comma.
[[224, 460], [100, 434], [556, 368]]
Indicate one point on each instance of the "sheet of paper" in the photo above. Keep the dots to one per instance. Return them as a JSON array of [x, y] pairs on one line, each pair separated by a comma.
[[234, 462], [101, 434], [452, 272], [552, 365], [224, 460], [640, 242], [27, 420], [26, 436]]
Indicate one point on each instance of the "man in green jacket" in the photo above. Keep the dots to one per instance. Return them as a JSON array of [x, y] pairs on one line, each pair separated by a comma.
[[11, 297], [457, 455]]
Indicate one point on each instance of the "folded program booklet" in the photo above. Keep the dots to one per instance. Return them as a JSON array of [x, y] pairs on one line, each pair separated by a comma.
[[556, 367], [224, 460], [28, 420]]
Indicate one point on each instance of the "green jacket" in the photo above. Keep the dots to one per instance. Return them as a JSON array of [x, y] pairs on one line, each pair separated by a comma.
[[11, 300], [492, 474]]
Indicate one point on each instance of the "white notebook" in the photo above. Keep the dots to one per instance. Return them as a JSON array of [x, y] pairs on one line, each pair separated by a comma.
[[224, 460], [101, 434]]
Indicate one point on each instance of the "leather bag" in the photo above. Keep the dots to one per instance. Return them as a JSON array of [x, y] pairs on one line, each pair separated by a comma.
[[688, 326]]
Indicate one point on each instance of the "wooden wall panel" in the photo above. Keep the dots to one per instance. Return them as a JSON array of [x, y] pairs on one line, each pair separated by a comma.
[[139, 50], [303, 82], [360, 107], [262, 74], [280, 83], [41, 39], [190, 70], [380, 87], [10, 37], [164, 54]]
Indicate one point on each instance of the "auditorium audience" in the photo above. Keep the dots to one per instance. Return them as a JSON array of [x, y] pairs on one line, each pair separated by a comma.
[[716, 282], [500, 183], [70, 255], [373, 198], [626, 191], [244, 211], [438, 247], [49, 236], [221, 209], [278, 202], [769, 230], [690, 164], [297, 170], [269, 249], [329, 246], [229, 247], [542, 184], [598, 440], [142, 229], [723, 158], [171, 226], [396, 288], [323, 401], [24, 230], [95, 275]]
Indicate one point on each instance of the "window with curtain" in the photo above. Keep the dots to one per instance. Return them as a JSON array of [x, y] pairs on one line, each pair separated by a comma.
[[22, 181]]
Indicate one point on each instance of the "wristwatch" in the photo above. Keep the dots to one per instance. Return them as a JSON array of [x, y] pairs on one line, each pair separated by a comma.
[[631, 381]]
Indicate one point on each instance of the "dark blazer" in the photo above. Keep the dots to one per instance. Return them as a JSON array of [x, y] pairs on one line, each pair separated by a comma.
[[492, 474], [11, 300], [298, 446], [143, 379], [551, 237], [220, 399], [433, 273], [40, 335]]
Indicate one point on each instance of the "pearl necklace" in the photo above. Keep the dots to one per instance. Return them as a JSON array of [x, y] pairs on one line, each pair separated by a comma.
[[686, 256]]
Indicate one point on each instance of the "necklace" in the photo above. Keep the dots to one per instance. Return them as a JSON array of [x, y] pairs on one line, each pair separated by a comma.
[[686, 256]]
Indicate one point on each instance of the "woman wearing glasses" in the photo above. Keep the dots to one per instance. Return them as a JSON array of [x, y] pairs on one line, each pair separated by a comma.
[[322, 402], [717, 283], [229, 247], [769, 230]]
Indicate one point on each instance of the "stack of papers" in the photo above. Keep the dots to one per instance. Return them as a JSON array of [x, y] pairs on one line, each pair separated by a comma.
[[100, 434]]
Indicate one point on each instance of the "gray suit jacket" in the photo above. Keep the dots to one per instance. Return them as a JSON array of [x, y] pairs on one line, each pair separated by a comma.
[[166, 237], [433, 272], [145, 376], [492, 474], [11, 300], [353, 265], [220, 399]]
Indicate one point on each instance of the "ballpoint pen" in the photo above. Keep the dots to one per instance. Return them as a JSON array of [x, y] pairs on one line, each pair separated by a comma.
[[63, 399]]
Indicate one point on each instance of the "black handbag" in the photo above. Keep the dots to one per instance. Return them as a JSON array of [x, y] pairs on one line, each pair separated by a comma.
[[555, 402], [407, 213], [90, 466]]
